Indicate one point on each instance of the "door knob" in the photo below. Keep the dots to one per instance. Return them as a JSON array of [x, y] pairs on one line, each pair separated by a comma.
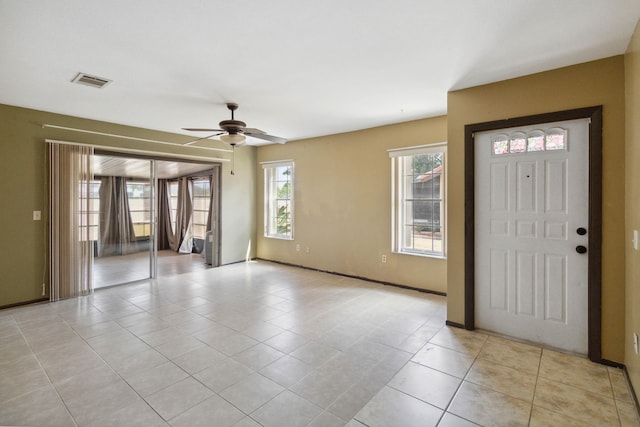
[[581, 231], [581, 249]]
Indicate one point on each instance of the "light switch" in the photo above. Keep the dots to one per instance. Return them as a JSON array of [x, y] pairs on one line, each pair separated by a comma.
[[635, 240], [37, 215]]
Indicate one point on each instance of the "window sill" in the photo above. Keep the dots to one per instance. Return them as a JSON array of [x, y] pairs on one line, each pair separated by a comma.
[[278, 237], [422, 254]]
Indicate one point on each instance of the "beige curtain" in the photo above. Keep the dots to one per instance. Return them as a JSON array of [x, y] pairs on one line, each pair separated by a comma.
[[182, 241], [70, 244], [165, 229], [117, 236], [211, 203]]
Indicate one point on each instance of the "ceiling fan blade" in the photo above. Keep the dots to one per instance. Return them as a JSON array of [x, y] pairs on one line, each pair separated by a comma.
[[202, 130], [254, 131], [262, 135], [204, 137]]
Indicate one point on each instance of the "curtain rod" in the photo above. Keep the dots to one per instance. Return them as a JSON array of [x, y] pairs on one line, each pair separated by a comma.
[[136, 151], [133, 138]]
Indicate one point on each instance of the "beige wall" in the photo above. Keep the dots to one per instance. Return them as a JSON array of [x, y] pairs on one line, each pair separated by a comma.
[[238, 205], [22, 190], [343, 205], [594, 83], [632, 75]]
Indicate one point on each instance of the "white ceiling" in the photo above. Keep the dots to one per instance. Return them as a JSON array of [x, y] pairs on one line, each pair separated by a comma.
[[297, 68]]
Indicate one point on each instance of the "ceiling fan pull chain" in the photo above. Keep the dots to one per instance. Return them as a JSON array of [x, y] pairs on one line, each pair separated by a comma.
[[233, 160]]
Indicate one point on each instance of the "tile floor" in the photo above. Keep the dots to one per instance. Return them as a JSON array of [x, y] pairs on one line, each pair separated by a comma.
[[264, 344]]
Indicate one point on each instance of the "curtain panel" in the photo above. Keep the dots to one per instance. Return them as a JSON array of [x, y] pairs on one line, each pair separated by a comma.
[[183, 241], [117, 235], [165, 229], [211, 203], [70, 221]]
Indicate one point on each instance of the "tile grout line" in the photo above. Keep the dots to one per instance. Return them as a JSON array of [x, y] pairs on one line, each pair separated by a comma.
[[616, 400], [106, 362], [613, 392], [475, 358], [189, 375], [386, 384], [111, 367], [573, 386], [230, 385], [44, 370], [535, 386]]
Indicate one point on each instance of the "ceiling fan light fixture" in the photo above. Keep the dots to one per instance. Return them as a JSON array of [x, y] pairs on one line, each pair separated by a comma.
[[233, 139]]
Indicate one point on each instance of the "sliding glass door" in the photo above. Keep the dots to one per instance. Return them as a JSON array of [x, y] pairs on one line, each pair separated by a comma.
[[152, 218], [123, 200], [136, 218]]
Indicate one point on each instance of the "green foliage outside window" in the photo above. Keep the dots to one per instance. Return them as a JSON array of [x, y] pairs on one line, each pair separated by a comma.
[[283, 220], [279, 194], [426, 162], [283, 217]]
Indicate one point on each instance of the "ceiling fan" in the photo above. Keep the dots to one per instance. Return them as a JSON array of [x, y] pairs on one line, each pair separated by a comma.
[[234, 132]]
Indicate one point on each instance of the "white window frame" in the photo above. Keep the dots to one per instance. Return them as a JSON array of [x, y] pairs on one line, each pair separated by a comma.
[[146, 224], [269, 201], [90, 218], [207, 203], [398, 192]]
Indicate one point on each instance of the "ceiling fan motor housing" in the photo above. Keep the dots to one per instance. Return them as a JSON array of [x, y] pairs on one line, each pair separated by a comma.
[[233, 126]]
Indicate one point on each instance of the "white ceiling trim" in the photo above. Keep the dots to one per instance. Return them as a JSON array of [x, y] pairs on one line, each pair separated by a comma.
[[133, 138], [160, 154]]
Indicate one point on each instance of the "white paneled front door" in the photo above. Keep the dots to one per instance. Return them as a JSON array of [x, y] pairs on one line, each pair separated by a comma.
[[531, 233]]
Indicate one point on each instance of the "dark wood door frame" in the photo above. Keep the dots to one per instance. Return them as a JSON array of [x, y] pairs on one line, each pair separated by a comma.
[[595, 214]]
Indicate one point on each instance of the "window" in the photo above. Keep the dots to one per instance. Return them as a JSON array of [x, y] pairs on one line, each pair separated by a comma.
[[533, 141], [89, 209], [139, 195], [278, 199], [418, 191], [201, 199], [173, 203]]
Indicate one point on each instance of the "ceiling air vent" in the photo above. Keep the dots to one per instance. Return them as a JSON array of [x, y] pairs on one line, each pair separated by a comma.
[[89, 80]]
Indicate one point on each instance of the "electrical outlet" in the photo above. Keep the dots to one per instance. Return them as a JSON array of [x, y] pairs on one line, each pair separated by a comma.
[[384, 258], [635, 343], [308, 250], [37, 215], [297, 248]]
